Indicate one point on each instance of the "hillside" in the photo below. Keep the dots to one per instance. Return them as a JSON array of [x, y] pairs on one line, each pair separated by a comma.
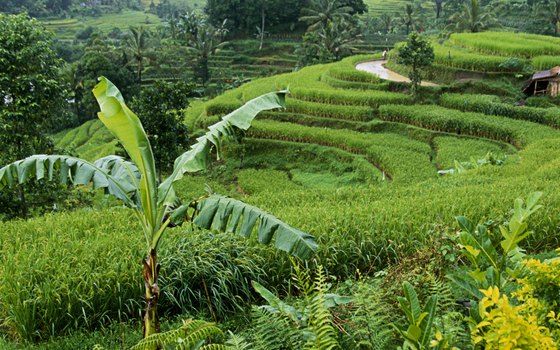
[[377, 177]]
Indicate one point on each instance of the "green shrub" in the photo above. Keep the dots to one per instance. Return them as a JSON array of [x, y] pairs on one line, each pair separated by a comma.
[[488, 104]]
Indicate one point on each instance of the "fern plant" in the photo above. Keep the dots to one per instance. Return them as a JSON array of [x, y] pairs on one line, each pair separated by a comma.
[[193, 334], [309, 326], [368, 322]]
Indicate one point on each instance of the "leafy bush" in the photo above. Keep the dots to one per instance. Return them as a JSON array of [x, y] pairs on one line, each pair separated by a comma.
[[505, 326]]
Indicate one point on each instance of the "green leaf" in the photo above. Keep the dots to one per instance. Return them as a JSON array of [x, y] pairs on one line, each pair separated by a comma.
[[413, 332], [276, 305], [195, 159], [230, 215], [126, 127], [117, 176], [465, 224], [482, 243], [332, 300], [466, 285], [412, 299], [426, 325]]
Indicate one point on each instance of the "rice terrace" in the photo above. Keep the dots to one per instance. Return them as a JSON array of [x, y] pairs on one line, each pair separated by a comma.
[[318, 174]]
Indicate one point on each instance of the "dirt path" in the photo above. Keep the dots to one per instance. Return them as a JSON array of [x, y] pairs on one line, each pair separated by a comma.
[[377, 67]]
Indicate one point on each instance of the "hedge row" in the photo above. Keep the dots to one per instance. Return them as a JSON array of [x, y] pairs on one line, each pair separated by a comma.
[[345, 84], [344, 97], [518, 133], [359, 113], [472, 61], [545, 62], [507, 44], [489, 104]]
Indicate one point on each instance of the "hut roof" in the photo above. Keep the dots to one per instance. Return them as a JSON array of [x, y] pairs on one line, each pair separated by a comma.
[[542, 75], [551, 73]]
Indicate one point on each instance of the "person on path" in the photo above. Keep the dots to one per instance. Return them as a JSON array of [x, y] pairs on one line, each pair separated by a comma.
[[385, 54]]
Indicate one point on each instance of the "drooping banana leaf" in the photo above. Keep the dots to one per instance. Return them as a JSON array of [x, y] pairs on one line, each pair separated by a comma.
[[225, 214], [195, 159], [126, 127], [116, 175]]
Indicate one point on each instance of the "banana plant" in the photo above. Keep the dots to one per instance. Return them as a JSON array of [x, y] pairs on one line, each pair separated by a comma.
[[154, 204]]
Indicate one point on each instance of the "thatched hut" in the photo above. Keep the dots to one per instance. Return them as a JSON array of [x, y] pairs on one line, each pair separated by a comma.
[[546, 82]]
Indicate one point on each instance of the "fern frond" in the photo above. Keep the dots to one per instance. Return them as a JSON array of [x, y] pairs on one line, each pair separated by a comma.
[[441, 288], [214, 347], [274, 331], [191, 335], [320, 321], [237, 342]]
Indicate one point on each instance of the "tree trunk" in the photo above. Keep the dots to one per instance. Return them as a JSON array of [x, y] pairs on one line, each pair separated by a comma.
[[438, 8], [262, 28], [151, 294]]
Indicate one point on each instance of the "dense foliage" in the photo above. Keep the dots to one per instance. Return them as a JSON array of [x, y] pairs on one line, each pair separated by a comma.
[[382, 181]]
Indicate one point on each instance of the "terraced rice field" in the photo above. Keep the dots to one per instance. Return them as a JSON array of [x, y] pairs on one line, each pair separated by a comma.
[[66, 29], [492, 53], [402, 147]]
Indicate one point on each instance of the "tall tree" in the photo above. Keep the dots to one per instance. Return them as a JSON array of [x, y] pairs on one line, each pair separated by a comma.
[[31, 98], [416, 53], [207, 42], [473, 17], [549, 10], [138, 46], [100, 59], [321, 12], [409, 18], [154, 204], [439, 5], [244, 16], [160, 108]]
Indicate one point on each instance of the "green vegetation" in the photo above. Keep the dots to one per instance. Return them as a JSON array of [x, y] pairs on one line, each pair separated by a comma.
[[382, 181]]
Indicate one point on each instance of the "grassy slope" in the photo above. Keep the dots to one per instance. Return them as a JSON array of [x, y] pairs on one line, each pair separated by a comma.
[[67, 28], [361, 226]]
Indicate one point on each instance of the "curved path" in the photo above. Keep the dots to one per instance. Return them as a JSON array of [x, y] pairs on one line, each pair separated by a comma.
[[377, 67]]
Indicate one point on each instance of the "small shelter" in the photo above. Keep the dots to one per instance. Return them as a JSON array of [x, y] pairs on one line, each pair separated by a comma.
[[546, 82]]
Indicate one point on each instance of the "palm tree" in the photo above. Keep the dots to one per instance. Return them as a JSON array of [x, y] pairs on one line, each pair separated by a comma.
[[409, 18], [137, 43], [155, 204], [338, 38], [387, 21], [550, 11], [322, 12], [472, 18], [207, 41]]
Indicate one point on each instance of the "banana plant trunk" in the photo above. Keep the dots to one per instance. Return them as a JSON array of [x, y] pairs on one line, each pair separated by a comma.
[[151, 295]]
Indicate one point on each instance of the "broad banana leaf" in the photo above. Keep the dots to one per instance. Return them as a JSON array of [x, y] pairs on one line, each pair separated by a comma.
[[227, 214], [195, 159], [126, 127], [116, 175]]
